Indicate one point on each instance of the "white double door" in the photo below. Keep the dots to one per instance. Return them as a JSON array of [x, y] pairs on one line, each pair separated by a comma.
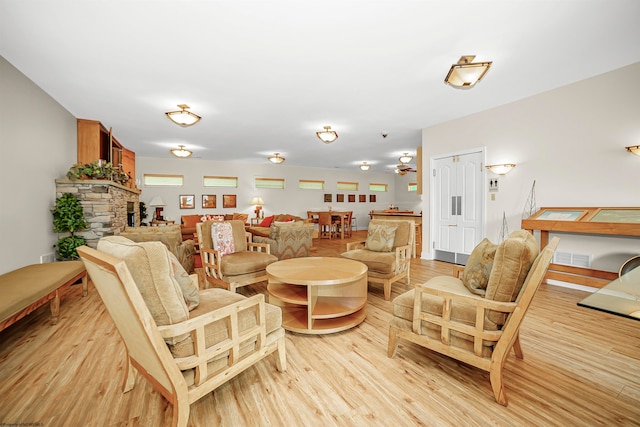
[[457, 205]]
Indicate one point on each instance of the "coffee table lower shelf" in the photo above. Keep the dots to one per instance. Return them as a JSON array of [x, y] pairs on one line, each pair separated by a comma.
[[295, 319]]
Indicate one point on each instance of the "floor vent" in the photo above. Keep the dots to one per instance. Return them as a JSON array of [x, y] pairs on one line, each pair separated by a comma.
[[568, 258]]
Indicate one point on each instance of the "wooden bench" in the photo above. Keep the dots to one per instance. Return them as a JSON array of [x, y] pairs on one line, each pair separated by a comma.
[[28, 288]]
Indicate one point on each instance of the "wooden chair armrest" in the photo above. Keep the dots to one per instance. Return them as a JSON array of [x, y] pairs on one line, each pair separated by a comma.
[[259, 247], [231, 345], [211, 256], [355, 245], [444, 291], [458, 270]]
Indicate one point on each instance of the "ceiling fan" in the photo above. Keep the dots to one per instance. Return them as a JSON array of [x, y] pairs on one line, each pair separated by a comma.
[[403, 168]]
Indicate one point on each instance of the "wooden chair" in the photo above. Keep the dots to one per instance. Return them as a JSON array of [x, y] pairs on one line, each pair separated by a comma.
[[326, 227], [246, 330], [246, 265], [444, 316], [347, 224], [390, 264]]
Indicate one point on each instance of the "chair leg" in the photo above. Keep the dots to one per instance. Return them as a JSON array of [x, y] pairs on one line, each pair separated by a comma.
[[495, 376], [129, 376], [393, 342], [281, 361], [387, 290], [516, 346], [180, 413]]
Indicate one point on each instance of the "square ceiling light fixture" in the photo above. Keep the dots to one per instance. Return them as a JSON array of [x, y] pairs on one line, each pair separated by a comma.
[[465, 74], [183, 117]]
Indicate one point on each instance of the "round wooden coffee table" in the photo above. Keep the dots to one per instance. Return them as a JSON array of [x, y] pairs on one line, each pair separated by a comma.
[[318, 295]]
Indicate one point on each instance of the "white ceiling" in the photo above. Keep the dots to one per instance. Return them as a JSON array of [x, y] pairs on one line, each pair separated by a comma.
[[266, 75]]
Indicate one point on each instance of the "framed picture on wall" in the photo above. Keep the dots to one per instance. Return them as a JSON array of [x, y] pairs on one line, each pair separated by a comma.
[[340, 198], [209, 201], [352, 198], [187, 201], [328, 198], [372, 198], [362, 198], [229, 201]]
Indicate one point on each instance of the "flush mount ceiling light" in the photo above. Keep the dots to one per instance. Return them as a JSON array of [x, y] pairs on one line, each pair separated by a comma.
[[276, 158], [502, 169], [365, 166], [635, 149], [183, 117], [405, 158], [465, 74], [181, 152], [327, 135]]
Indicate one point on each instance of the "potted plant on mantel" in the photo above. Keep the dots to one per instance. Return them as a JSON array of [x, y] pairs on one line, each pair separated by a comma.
[[68, 217], [97, 170]]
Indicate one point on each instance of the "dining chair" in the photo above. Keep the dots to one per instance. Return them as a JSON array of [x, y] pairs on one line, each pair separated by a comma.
[[326, 226]]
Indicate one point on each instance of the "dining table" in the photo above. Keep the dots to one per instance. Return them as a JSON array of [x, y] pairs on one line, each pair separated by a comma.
[[337, 215]]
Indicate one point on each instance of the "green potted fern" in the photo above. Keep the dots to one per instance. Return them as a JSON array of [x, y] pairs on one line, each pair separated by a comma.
[[68, 217]]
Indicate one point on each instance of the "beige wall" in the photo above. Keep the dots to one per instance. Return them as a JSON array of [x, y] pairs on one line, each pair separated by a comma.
[[570, 141], [38, 144]]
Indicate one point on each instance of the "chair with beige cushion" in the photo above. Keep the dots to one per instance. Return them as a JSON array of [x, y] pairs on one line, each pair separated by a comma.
[[185, 341], [386, 252], [288, 239], [476, 317], [245, 264], [171, 236]]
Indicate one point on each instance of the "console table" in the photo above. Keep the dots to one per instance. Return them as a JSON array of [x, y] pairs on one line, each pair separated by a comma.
[[616, 221]]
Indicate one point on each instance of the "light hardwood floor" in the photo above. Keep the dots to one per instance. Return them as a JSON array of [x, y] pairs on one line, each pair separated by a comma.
[[581, 368]]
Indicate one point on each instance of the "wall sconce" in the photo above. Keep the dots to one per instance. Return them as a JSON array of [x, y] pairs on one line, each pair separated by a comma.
[[276, 159], [465, 74], [502, 169], [257, 202], [634, 149], [327, 135], [365, 166], [183, 117], [181, 152]]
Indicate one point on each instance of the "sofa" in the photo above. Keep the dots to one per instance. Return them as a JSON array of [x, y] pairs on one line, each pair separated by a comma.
[[188, 222], [288, 240], [264, 228], [171, 236]]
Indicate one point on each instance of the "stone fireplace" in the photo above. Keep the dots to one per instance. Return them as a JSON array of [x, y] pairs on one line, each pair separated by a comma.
[[108, 207]]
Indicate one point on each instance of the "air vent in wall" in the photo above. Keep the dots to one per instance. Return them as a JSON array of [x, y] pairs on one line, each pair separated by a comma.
[[568, 258]]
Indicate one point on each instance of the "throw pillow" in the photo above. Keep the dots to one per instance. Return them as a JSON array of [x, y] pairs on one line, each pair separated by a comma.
[[190, 220], [513, 260], [266, 222], [476, 273], [380, 237], [189, 289], [222, 237], [241, 216]]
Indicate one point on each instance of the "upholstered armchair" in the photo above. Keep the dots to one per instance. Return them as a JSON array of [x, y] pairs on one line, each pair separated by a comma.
[[229, 258], [185, 341], [475, 317], [289, 240], [386, 252], [171, 236]]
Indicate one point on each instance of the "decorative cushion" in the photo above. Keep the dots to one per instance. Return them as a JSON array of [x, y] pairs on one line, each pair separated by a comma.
[[513, 260], [380, 237], [190, 220], [241, 216], [222, 237], [476, 273], [150, 267], [188, 287], [266, 222]]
